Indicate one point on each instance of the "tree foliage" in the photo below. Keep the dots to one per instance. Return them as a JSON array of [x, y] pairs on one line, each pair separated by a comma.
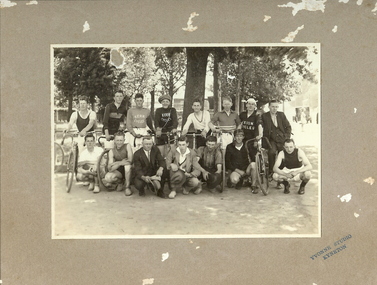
[[81, 71]]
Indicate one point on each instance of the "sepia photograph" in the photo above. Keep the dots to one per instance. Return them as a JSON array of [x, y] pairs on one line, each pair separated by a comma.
[[177, 141]]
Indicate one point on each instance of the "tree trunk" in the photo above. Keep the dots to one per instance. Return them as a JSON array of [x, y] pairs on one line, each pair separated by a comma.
[[195, 78], [152, 102], [216, 84], [70, 105], [237, 99]]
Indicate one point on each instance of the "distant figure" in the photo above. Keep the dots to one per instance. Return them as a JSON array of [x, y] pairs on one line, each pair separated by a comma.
[[303, 120]]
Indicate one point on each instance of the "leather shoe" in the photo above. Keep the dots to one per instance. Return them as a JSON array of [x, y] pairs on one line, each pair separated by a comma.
[[254, 190], [142, 193], [301, 190], [161, 194]]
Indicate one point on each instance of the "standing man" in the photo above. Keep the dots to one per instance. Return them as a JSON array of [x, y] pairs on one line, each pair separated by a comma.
[[277, 129], [252, 127], [138, 119], [166, 120], [184, 169], [210, 161], [228, 119], [87, 163], [115, 115], [200, 120], [150, 168], [119, 165], [236, 160], [84, 119], [292, 165]]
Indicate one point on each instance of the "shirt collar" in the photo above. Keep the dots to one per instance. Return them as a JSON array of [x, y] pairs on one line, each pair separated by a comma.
[[187, 151]]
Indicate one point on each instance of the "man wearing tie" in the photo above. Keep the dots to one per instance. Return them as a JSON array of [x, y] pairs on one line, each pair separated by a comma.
[[150, 168], [277, 129]]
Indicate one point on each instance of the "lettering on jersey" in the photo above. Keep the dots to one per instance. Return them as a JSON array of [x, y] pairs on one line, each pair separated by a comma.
[[247, 125], [165, 117]]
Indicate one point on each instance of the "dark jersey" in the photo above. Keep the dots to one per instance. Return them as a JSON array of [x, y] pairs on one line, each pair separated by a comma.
[[113, 116], [250, 124], [291, 161], [166, 119]]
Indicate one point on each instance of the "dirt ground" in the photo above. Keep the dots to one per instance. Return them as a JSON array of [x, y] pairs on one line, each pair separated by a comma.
[[83, 214]]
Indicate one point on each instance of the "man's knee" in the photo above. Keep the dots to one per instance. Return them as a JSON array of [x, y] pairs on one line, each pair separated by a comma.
[[127, 169], [139, 184], [306, 175], [277, 177], [235, 177], [193, 182], [111, 177]]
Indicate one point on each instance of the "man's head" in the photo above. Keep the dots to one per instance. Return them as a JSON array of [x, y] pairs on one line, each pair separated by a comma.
[[147, 143], [239, 135], [251, 104], [289, 145], [119, 139], [83, 103], [165, 101], [211, 142], [227, 103], [196, 105], [182, 144], [139, 100], [118, 96], [273, 106], [89, 141]]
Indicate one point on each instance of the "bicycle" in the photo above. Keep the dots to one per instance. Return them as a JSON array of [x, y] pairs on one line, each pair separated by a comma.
[[72, 158], [261, 167], [59, 156]]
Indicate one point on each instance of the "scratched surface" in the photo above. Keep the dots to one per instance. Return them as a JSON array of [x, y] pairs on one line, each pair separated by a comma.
[[349, 57]]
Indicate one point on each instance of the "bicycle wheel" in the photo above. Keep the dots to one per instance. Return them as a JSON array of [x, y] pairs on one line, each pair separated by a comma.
[[58, 157], [70, 170], [262, 174], [102, 170]]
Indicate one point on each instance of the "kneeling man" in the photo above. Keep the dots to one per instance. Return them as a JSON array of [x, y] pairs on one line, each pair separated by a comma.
[[292, 165], [236, 160], [87, 163], [149, 168], [184, 169], [120, 160], [210, 161]]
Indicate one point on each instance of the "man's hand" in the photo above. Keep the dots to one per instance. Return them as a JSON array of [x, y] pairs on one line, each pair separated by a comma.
[[108, 137], [205, 174], [114, 165], [138, 136], [174, 131], [146, 179], [82, 133], [188, 175], [159, 172], [218, 171], [240, 172], [158, 133], [203, 133], [173, 167]]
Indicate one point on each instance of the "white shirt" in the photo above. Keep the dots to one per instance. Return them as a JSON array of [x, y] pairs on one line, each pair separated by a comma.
[[92, 157], [200, 123], [148, 154], [182, 157], [239, 147]]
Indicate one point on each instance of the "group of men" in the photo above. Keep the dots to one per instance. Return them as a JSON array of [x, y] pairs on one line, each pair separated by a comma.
[[182, 167]]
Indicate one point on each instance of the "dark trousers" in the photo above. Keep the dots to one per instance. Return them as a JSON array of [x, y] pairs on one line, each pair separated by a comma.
[[275, 146], [140, 183]]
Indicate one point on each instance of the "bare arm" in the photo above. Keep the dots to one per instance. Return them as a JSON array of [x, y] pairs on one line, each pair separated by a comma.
[[278, 162]]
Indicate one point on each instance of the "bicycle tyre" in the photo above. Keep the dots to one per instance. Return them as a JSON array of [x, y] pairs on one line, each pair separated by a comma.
[[102, 170], [70, 171], [58, 157], [262, 174]]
